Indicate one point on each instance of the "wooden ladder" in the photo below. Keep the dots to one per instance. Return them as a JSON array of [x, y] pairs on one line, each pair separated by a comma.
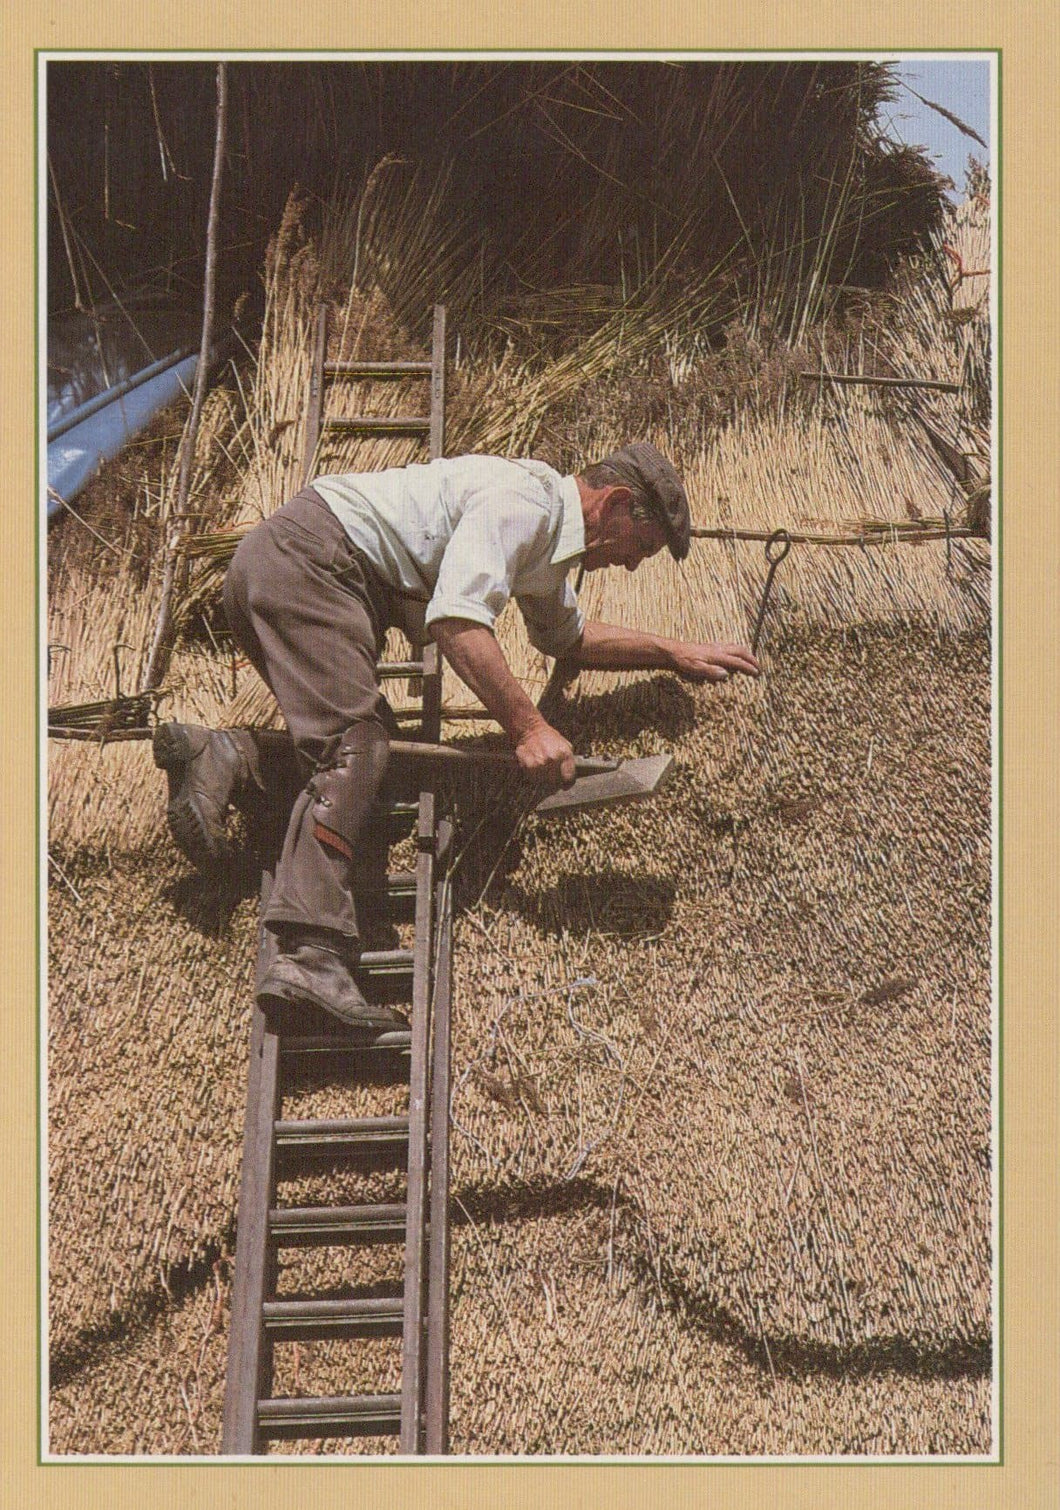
[[276, 1149], [429, 427]]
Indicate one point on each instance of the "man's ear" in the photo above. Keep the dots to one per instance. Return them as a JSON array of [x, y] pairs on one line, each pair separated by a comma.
[[617, 493]]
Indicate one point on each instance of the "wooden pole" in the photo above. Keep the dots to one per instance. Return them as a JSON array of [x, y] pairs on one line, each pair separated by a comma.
[[882, 532], [162, 643]]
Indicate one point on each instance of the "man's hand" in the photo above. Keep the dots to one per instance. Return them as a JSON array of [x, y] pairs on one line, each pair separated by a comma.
[[543, 754], [546, 757], [606, 647], [711, 663]]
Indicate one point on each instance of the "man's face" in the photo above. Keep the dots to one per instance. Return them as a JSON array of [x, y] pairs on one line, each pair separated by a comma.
[[622, 540]]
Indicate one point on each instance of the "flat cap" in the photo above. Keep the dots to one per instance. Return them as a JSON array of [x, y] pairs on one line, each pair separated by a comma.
[[658, 482]]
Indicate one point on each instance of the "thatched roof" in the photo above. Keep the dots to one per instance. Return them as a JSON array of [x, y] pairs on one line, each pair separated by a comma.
[[564, 173], [722, 1110]]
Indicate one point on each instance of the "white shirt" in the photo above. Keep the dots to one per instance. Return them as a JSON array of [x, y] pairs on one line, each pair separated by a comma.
[[461, 535]]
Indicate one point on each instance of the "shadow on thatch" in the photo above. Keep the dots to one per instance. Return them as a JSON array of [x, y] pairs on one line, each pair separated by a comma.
[[659, 703], [891, 1355], [516, 1201], [796, 1357], [85, 1347], [489, 820], [598, 901], [799, 1358], [793, 1357], [208, 904]]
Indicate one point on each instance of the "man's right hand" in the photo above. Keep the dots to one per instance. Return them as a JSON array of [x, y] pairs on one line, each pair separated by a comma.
[[471, 649], [546, 758]]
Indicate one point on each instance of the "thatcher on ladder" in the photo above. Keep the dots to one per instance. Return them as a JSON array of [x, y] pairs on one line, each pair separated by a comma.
[[309, 596]]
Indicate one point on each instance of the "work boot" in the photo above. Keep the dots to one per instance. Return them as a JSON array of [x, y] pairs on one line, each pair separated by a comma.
[[310, 970], [205, 768]]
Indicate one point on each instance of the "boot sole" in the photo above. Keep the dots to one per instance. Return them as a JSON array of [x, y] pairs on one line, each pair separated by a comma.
[[173, 754], [367, 1022]]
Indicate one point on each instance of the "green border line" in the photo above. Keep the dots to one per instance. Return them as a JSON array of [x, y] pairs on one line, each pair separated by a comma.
[[998, 368], [40, 895], [428, 55]]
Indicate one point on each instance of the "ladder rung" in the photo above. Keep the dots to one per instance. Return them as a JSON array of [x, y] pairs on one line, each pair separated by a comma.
[[398, 818], [313, 1320], [400, 884], [377, 369], [379, 1136], [326, 1226], [396, 901], [388, 669], [381, 424], [397, 809], [330, 1416], [447, 715], [376, 962], [392, 1041]]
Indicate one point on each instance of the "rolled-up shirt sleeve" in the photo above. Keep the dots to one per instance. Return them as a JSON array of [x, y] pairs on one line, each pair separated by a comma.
[[554, 624], [498, 536]]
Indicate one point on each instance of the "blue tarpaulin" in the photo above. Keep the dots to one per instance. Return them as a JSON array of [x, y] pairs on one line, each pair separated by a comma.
[[75, 456]]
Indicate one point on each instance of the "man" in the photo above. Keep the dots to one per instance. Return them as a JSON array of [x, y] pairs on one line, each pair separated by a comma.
[[309, 596]]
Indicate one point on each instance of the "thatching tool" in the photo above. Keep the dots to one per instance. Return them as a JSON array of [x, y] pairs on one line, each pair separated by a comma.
[[630, 781], [585, 765], [599, 780], [782, 539]]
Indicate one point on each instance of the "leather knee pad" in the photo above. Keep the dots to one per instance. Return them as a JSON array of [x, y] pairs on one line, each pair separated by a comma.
[[345, 787]]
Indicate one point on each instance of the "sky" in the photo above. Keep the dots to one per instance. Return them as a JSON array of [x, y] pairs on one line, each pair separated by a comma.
[[962, 86]]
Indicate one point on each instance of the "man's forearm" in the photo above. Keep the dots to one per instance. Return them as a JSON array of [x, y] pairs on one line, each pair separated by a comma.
[[609, 647], [474, 654]]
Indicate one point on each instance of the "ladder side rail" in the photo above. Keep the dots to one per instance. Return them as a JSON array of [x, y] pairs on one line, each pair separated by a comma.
[[249, 1369], [412, 1361], [432, 693], [413, 1343], [437, 1390], [315, 407], [437, 435]]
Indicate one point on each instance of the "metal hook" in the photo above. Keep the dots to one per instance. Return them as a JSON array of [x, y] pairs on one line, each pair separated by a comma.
[[120, 645], [55, 646], [782, 539]]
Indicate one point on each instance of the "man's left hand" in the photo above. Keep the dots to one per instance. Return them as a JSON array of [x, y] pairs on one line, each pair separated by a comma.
[[712, 663]]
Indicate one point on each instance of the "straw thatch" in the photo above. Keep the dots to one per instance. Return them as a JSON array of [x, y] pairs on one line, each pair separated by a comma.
[[575, 176], [722, 1084], [577, 1350]]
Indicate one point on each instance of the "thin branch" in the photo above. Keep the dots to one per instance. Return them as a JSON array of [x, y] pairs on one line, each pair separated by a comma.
[[162, 644], [881, 382], [66, 235]]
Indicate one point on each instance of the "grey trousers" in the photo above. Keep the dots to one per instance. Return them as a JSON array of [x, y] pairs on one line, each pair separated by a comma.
[[310, 614]]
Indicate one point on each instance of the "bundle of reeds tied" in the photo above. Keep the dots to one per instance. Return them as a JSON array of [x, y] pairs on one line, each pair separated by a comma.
[[721, 1114]]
